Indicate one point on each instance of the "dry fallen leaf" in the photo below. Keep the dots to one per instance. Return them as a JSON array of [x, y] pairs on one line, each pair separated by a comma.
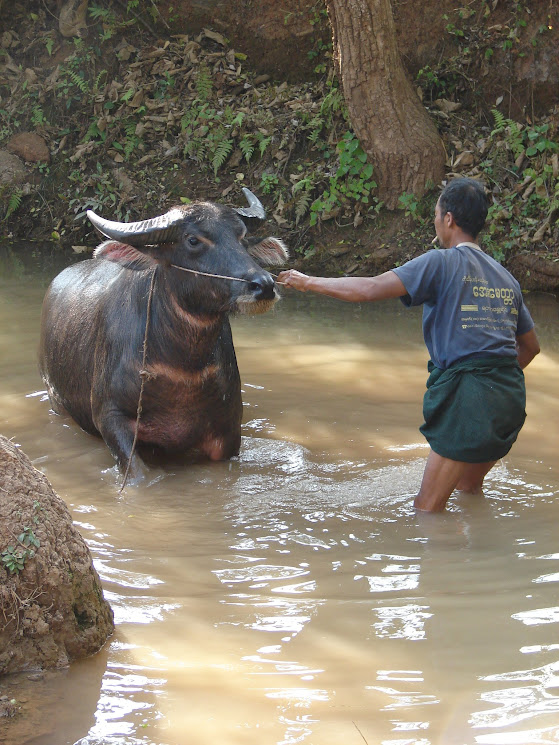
[[443, 104], [540, 232], [214, 36], [465, 158]]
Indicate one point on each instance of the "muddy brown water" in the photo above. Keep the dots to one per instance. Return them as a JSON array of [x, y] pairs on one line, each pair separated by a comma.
[[293, 595]]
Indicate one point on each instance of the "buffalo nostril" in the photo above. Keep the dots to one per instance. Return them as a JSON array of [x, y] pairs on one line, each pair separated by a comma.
[[263, 288]]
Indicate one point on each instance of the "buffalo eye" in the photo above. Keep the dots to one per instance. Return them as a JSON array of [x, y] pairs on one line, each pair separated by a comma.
[[193, 241]]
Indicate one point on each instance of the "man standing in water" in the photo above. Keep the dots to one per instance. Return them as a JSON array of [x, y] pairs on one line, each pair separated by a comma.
[[479, 335]]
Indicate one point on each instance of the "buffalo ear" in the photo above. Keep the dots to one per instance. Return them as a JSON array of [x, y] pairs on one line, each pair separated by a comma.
[[269, 252], [125, 255]]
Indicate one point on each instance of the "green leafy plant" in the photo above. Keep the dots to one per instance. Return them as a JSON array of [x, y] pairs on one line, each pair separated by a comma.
[[164, 86], [321, 50], [97, 83], [351, 182], [493, 247], [268, 182], [127, 95], [411, 205], [529, 141], [539, 142], [454, 30], [523, 160], [111, 23], [441, 81], [132, 141], [74, 75], [28, 538], [14, 557], [320, 124], [512, 131], [211, 134]]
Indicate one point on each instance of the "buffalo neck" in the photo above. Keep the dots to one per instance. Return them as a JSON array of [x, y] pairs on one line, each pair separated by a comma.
[[181, 332]]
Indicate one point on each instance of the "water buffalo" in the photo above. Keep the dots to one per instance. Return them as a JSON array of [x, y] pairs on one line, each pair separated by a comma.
[[189, 268]]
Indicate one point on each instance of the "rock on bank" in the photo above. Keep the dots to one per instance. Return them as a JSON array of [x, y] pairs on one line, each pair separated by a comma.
[[52, 609]]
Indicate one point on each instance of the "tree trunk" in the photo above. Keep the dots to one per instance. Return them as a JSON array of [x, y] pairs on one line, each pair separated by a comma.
[[388, 118]]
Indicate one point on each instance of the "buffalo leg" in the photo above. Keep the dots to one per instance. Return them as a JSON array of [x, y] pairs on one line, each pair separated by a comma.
[[117, 430], [220, 447]]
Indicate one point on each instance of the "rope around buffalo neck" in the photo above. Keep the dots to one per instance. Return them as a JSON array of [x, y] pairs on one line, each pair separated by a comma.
[[144, 375]]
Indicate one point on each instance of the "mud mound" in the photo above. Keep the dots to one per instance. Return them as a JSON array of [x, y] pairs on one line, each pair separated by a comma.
[[52, 609]]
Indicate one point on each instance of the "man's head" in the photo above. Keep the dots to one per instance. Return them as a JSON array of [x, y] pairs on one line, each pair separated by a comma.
[[465, 200]]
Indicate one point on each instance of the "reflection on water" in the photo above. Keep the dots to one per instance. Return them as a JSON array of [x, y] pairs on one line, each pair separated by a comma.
[[293, 595]]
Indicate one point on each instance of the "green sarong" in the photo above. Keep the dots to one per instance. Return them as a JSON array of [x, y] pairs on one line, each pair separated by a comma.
[[475, 409]]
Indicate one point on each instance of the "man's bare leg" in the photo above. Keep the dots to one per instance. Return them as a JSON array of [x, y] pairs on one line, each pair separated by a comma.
[[439, 481], [471, 480]]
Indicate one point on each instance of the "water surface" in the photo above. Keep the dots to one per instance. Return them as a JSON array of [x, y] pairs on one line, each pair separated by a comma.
[[293, 595]]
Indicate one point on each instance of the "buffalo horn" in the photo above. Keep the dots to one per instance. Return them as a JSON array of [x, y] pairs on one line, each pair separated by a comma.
[[254, 209], [162, 229]]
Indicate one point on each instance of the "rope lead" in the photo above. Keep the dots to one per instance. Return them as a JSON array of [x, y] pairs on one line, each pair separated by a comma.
[[144, 375]]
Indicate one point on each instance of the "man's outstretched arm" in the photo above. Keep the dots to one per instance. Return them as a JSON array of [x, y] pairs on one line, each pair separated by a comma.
[[351, 289]]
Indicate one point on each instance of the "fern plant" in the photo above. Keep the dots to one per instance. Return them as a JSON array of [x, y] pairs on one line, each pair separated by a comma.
[[127, 95], [78, 81], [222, 150], [238, 119], [500, 121], [302, 191], [210, 135], [511, 130], [132, 142], [94, 133], [14, 202], [263, 142], [332, 103], [97, 83], [204, 83], [38, 117], [246, 146]]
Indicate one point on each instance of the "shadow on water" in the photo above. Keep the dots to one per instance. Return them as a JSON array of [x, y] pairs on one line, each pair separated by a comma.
[[293, 595], [38, 262], [48, 709]]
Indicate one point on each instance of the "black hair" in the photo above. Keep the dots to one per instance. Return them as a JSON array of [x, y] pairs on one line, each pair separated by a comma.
[[466, 199]]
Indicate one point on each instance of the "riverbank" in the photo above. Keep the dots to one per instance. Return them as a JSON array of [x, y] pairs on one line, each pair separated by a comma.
[[128, 124]]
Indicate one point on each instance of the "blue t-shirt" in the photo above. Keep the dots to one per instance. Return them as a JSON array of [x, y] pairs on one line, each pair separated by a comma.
[[472, 306]]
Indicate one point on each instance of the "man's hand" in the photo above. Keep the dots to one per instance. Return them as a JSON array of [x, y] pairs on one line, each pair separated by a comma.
[[293, 278]]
